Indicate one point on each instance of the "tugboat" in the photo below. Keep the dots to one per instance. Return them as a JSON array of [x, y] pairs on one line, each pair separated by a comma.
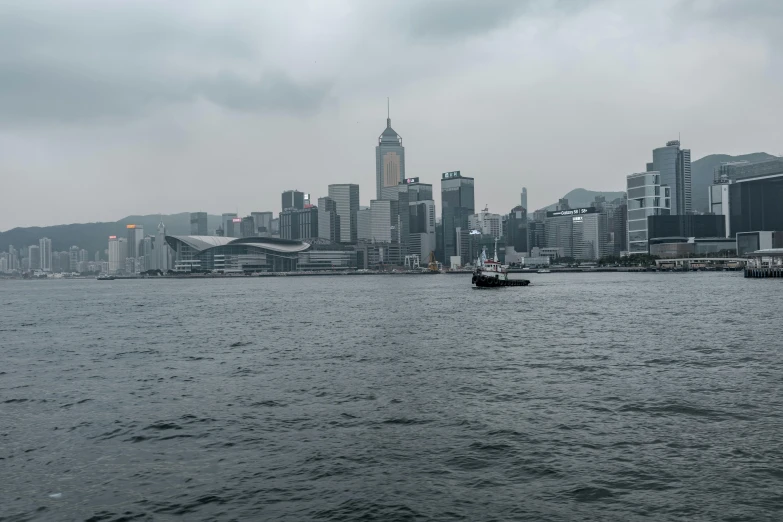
[[489, 273]]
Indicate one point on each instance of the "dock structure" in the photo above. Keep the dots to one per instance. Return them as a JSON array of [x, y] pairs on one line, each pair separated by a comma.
[[765, 263], [688, 263]]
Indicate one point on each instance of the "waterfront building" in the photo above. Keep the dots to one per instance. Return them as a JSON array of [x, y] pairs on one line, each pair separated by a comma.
[[34, 255], [389, 161], [747, 242], [134, 235], [65, 262], [749, 196], [346, 200], [292, 199], [226, 254], [162, 251], [457, 204], [97, 256], [45, 251], [646, 197], [198, 224], [247, 227], [676, 247], [537, 233], [227, 223], [118, 253], [673, 165], [382, 222], [580, 232], [364, 224], [84, 256], [686, 226], [275, 227]]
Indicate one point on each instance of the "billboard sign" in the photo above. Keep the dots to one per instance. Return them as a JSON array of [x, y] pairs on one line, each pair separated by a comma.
[[236, 220], [130, 226], [112, 237], [453, 174], [572, 212], [408, 181]]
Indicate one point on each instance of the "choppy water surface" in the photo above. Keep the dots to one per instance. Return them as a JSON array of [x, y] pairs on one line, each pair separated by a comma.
[[602, 396]]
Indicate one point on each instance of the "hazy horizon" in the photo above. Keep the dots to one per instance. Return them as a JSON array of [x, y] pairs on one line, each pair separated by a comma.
[[111, 110]]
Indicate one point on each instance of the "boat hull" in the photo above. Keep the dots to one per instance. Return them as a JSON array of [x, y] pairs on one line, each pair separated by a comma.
[[482, 281]]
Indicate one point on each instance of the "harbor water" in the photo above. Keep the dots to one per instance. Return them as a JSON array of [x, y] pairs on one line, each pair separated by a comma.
[[610, 396]]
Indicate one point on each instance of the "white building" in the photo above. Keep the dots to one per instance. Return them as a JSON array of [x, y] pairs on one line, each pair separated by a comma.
[[45, 245], [487, 223], [646, 197]]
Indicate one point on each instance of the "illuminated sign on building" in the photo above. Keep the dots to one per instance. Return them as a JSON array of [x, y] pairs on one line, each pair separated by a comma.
[[408, 181], [130, 226], [572, 212], [237, 220], [453, 174], [112, 237]]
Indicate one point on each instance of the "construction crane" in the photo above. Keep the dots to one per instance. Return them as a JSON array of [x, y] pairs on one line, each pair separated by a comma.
[[433, 265]]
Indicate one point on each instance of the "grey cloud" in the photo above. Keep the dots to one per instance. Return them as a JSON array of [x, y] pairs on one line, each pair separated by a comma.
[[457, 19], [119, 63]]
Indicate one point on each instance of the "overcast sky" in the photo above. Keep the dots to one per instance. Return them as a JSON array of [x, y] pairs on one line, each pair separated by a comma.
[[116, 108]]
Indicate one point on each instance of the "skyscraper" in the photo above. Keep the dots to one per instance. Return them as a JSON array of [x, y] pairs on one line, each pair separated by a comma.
[[227, 222], [674, 166], [198, 224], [646, 197], [364, 224], [45, 246], [34, 254], [263, 223], [162, 248], [457, 202], [134, 235], [328, 220], [346, 200], [292, 199], [516, 229], [389, 160], [523, 199], [73, 257]]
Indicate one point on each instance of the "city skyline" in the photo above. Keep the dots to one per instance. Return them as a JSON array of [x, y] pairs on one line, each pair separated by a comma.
[[502, 121]]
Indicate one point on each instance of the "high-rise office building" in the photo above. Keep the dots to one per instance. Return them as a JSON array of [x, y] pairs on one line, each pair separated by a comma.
[[227, 222], [45, 251], [263, 223], [389, 160], [328, 220], [364, 224], [65, 261], [73, 255], [487, 223], [34, 255], [382, 220], [198, 224], [422, 238], [84, 255], [292, 199], [579, 233], [299, 223], [523, 198], [162, 249], [647, 196], [346, 200], [674, 167], [118, 253], [134, 235], [517, 230], [457, 204], [247, 227]]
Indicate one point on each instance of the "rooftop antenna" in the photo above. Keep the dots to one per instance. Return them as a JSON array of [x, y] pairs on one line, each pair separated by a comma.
[[388, 113]]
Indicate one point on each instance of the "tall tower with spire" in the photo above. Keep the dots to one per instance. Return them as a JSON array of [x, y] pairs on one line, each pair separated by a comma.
[[389, 160]]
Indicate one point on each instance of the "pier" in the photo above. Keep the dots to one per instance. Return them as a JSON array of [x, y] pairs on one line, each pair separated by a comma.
[[765, 263]]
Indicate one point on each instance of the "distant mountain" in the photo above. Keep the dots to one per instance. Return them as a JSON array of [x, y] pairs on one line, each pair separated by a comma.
[[584, 198], [702, 175], [95, 236]]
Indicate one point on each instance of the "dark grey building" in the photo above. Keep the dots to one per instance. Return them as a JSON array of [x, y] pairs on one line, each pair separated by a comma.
[[346, 200], [247, 228], [756, 203], [299, 223], [292, 199], [674, 166], [517, 230], [198, 224], [389, 161], [458, 203], [262, 222], [580, 232], [686, 226], [536, 234], [328, 220]]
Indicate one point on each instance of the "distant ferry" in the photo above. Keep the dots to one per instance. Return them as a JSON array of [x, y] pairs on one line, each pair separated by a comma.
[[544, 271], [490, 273], [105, 277]]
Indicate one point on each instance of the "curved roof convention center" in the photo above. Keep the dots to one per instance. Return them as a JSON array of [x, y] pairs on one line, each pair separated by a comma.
[[203, 243]]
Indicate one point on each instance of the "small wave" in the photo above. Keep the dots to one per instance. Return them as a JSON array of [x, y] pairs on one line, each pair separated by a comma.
[[162, 426], [406, 421], [589, 494]]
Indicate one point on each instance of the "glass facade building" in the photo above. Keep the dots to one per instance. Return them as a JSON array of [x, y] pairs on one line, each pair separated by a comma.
[[346, 204], [198, 224], [686, 226], [673, 164], [646, 197], [389, 161], [457, 205], [756, 204]]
